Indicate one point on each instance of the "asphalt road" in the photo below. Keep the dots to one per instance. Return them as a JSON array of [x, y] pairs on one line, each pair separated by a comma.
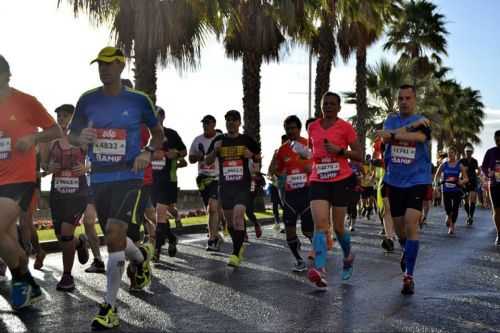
[[457, 289]]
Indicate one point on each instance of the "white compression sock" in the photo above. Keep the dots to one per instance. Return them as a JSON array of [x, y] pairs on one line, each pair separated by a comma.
[[114, 272]]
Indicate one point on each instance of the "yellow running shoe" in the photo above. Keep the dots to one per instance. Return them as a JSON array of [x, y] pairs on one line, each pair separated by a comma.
[[107, 318], [234, 261]]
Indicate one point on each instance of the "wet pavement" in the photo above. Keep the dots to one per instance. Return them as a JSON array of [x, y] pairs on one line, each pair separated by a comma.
[[457, 289]]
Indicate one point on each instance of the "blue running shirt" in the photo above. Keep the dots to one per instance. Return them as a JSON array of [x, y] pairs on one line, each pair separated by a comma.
[[407, 163], [117, 120], [451, 175]]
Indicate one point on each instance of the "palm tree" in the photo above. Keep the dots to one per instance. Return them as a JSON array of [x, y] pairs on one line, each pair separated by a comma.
[[418, 35], [155, 31]]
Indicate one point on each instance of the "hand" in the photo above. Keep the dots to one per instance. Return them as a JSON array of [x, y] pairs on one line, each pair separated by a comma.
[[142, 161], [421, 122], [88, 136], [158, 155], [248, 154], [199, 156], [385, 135], [172, 154], [25, 143], [79, 169], [331, 148]]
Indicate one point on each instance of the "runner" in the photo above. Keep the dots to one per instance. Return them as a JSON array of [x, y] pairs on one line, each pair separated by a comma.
[[367, 187], [453, 175], [68, 195], [331, 182], [108, 120], [352, 208], [491, 168], [258, 182], [408, 171], [293, 161], [274, 190], [207, 180], [164, 195], [471, 187], [20, 117], [232, 151]]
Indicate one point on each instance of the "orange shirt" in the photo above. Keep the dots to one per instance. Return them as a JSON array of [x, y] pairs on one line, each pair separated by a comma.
[[290, 163], [20, 115]]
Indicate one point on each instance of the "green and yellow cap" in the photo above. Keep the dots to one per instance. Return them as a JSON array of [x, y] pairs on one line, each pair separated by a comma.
[[110, 54]]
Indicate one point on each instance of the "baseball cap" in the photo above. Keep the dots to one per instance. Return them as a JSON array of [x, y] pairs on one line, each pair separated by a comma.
[[110, 54], [4, 65], [208, 118], [68, 108], [469, 148], [232, 114]]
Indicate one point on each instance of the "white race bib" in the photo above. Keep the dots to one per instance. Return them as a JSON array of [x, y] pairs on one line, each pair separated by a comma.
[[66, 183], [111, 145], [296, 181], [327, 169], [232, 170], [402, 153], [5, 148], [159, 164]]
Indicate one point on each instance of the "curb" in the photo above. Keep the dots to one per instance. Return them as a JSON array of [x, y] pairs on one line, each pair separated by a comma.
[[54, 246]]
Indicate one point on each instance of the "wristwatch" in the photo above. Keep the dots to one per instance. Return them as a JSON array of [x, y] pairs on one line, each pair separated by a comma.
[[149, 149]]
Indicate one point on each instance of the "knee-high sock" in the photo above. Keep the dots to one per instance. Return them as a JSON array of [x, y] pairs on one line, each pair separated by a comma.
[[114, 272], [294, 244], [472, 209], [467, 208], [402, 242], [238, 238], [160, 235], [320, 249], [133, 253], [345, 243], [411, 252]]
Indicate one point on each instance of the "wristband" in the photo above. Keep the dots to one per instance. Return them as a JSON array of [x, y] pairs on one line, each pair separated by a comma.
[[342, 152]]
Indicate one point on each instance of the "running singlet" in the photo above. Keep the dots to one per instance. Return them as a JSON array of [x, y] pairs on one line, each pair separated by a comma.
[[166, 169], [200, 145], [233, 166], [20, 115], [451, 176], [491, 166], [329, 167], [65, 181], [293, 166], [117, 120], [407, 163]]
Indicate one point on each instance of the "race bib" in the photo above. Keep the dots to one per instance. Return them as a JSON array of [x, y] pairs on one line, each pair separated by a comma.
[[497, 172], [66, 182], [5, 148], [159, 164], [450, 182], [296, 181], [403, 152], [327, 169], [232, 170], [111, 145]]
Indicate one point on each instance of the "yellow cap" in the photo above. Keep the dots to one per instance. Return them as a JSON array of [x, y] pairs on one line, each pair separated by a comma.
[[110, 54]]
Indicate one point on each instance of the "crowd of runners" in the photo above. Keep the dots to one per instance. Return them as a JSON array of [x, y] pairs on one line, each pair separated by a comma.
[[112, 160]]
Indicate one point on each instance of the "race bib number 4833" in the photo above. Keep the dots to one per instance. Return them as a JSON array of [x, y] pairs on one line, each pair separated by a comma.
[[233, 170], [5, 148], [403, 153], [111, 145]]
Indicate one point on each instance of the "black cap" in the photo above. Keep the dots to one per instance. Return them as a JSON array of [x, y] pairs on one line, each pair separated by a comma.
[[232, 114], [68, 108], [4, 65], [208, 118]]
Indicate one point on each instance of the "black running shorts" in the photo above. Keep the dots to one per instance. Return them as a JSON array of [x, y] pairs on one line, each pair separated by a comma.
[[232, 195], [401, 199], [21, 193], [337, 193], [67, 208], [495, 196], [296, 205], [164, 192]]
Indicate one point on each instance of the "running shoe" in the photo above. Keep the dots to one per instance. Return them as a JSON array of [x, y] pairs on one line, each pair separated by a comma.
[[497, 241], [234, 261], [107, 318], [40, 256], [211, 245], [351, 228], [388, 245], [172, 247], [318, 278], [300, 266], [218, 243], [258, 230], [276, 227], [144, 274], [402, 262], [36, 293], [348, 267], [20, 294], [83, 249], [97, 266], [408, 285], [470, 220], [67, 283]]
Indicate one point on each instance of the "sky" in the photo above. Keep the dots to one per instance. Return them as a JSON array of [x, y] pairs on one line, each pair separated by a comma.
[[49, 52]]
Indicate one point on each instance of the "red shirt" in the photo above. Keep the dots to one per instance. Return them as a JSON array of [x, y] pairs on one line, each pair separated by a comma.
[[148, 172], [294, 167], [20, 115], [330, 167]]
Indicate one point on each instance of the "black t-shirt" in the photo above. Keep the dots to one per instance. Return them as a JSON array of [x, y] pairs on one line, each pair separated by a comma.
[[166, 169], [233, 166], [472, 165]]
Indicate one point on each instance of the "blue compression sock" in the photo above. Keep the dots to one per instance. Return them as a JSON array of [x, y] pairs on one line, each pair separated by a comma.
[[411, 252], [345, 243], [320, 249]]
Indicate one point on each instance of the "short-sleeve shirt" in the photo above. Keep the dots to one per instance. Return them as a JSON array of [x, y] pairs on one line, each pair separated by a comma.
[[407, 163], [200, 145], [166, 169], [233, 165], [20, 115], [293, 166], [118, 121], [472, 165], [491, 162], [330, 167]]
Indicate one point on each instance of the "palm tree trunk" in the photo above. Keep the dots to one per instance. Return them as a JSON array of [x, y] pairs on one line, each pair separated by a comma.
[[323, 65], [361, 100], [145, 73], [252, 63]]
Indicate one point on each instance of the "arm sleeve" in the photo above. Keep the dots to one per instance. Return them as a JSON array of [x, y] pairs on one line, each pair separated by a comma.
[[79, 120], [39, 115], [148, 115]]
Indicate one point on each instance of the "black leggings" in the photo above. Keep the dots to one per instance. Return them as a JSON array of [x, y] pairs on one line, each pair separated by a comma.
[[276, 200], [452, 204]]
